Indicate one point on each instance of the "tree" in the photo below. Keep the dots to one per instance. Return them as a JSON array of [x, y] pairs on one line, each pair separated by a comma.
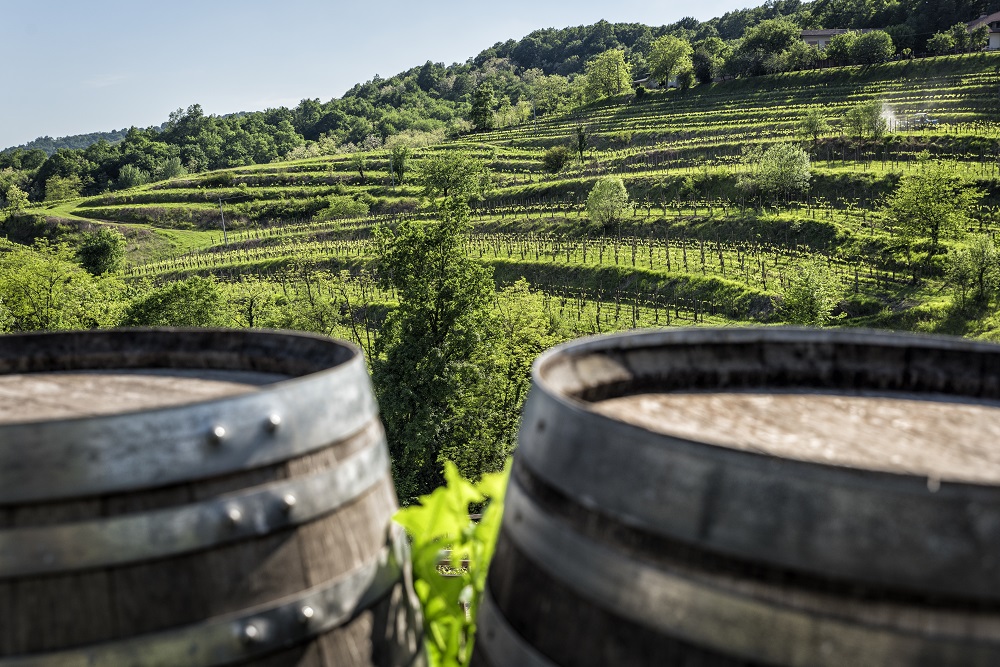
[[102, 251], [960, 33], [454, 174], [686, 79], [483, 106], [979, 39], [581, 141], [872, 48], [556, 158], [976, 266], [608, 74], [709, 59], [195, 302], [130, 176], [932, 204], [668, 56], [359, 161], [397, 162], [811, 293], [779, 172], [867, 119], [607, 201], [431, 368], [44, 290], [941, 43], [841, 48], [764, 45], [813, 124], [17, 199], [59, 187]]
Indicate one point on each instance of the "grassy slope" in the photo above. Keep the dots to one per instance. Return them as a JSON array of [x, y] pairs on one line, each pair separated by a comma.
[[678, 154]]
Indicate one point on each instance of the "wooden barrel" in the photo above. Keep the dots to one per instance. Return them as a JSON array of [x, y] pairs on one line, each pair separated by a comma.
[[753, 497], [196, 497]]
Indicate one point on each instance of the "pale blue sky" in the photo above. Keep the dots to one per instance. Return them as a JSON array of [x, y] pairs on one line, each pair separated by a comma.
[[75, 66]]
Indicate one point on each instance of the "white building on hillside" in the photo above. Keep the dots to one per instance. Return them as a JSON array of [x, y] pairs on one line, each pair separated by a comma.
[[821, 38], [993, 21]]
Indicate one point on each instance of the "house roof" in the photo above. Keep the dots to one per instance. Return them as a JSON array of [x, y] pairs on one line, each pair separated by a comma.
[[995, 16]]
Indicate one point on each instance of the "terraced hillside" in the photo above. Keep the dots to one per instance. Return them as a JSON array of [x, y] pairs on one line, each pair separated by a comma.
[[692, 249]]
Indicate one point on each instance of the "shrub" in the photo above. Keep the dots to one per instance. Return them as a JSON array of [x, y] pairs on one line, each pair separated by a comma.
[[556, 158]]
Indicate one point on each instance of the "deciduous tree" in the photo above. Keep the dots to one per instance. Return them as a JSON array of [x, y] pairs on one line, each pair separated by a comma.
[[607, 201], [777, 173], [102, 251], [668, 56], [608, 74], [931, 204]]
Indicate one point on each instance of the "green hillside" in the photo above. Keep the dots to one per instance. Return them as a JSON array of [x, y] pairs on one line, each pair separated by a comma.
[[692, 247]]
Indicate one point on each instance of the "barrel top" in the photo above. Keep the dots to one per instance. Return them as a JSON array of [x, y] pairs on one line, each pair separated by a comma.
[[935, 437], [93, 413], [926, 406], [26, 397]]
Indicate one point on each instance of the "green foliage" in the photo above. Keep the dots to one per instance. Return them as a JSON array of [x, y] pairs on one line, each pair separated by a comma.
[[483, 105], [979, 38], [941, 43], [686, 79], [765, 47], [960, 33], [777, 173], [195, 302], [102, 251], [866, 119], [454, 174], [253, 304], [975, 267], [607, 201], [709, 59], [398, 158], [44, 289], [555, 158], [343, 206], [309, 301], [130, 176], [58, 187], [16, 198], [430, 368], [441, 523], [872, 48], [608, 75], [931, 204], [811, 294], [813, 124], [841, 47], [668, 56]]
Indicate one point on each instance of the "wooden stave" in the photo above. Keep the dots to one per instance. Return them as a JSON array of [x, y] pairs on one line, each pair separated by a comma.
[[577, 626], [264, 561], [565, 610], [902, 516]]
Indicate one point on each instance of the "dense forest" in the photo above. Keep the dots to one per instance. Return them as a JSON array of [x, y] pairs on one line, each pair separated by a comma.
[[549, 70]]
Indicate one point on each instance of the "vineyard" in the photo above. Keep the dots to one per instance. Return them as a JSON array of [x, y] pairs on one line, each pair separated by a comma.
[[691, 249]]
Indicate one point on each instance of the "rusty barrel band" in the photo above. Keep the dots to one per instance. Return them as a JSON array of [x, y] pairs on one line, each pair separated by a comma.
[[501, 643], [168, 532], [125, 452], [253, 632], [719, 618]]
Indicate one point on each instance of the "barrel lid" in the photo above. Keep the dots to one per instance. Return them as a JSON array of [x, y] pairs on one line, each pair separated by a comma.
[[265, 397], [922, 526]]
